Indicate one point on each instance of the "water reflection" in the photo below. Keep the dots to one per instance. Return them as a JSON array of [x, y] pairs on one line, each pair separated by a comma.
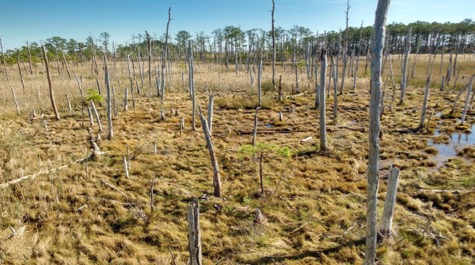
[[458, 141]]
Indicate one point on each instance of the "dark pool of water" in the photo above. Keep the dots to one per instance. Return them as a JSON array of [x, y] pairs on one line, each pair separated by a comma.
[[458, 141]]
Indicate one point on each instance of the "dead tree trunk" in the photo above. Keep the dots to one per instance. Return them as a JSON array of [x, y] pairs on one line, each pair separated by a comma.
[[51, 94], [164, 55], [96, 114], [273, 45], [259, 92], [19, 70], [389, 202], [210, 113], [110, 131], [149, 49], [345, 48], [15, 100], [317, 87], [280, 98], [191, 84], [457, 98], [379, 32], [335, 96], [254, 134], [407, 50], [194, 234], [214, 161], [426, 96], [464, 114], [322, 103], [29, 58], [3, 60]]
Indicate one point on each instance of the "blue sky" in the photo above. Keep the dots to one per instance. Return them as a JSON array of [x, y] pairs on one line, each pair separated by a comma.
[[38, 20]]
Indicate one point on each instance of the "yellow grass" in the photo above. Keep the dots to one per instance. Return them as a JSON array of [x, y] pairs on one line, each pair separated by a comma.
[[89, 213]]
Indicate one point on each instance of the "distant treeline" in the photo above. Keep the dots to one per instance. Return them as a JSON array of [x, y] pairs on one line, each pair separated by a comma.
[[231, 43]]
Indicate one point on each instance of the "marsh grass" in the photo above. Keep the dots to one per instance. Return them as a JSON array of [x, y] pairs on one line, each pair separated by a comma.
[[89, 213]]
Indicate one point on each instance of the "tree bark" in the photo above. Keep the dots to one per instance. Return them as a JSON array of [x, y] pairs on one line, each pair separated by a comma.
[[51, 93], [19, 70], [379, 32], [164, 55], [273, 45], [191, 84], [194, 234], [407, 48], [464, 114], [110, 131], [214, 161], [322, 103], [389, 203], [210, 114]]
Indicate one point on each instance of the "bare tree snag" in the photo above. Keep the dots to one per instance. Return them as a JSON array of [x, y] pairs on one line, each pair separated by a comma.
[[126, 167], [254, 134], [69, 103], [377, 47], [51, 94], [149, 49], [317, 87], [3, 60], [110, 131], [79, 81], [164, 55], [214, 161], [407, 50], [345, 48], [91, 120], [191, 84], [280, 88], [322, 103], [210, 113], [126, 95], [259, 90], [273, 44], [19, 70], [96, 114], [464, 113], [15, 100], [389, 202], [335, 96], [194, 234], [29, 58]]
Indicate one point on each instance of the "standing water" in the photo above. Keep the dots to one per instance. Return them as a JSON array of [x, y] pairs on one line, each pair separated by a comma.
[[458, 141]]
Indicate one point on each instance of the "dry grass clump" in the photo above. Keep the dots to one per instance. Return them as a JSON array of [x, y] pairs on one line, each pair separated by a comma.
[[313, 202]]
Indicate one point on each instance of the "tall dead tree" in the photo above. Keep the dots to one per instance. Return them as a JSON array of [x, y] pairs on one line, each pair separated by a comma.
[[273, 44], [51, 94], [259, 90], [407, 51], [19, 70], [465, 108], [3, 60], [214, 162], [149, 49], [191, 84], [335, 96], [29, 58], [377, 47], [345, 48], [426, 95], [322, 103], [110, 131], [164, 55]]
